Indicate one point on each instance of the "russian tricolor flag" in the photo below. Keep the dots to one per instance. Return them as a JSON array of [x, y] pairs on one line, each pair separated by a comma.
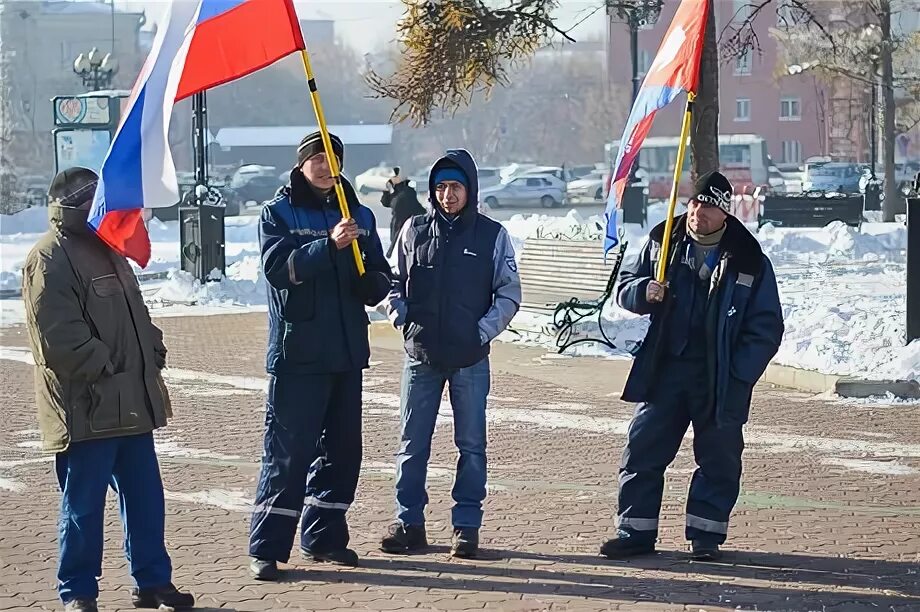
[[199, 44], [675, 70]]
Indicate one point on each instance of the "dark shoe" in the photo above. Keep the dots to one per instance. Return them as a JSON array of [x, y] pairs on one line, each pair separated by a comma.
[[262, 569], [346, 557], [627, 545], [81, 605], [704, 551], [165, 598], [465, 543], [403, 539]]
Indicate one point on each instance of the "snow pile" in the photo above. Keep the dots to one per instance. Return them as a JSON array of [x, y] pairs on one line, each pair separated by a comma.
[[843, 319], [835, 243], [243, 285], [841, 288], [848, 244], [10, 281], [570, 227], [29, 221]]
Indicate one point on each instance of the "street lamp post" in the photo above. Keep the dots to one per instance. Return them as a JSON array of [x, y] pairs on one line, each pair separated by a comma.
[[95, 69], [637, 14]]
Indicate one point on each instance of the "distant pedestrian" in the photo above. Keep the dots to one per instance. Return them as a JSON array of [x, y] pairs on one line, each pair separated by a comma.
[[388, 188], [100, 395], [457, 289], [404, 204], [317, 349], [716, 323]]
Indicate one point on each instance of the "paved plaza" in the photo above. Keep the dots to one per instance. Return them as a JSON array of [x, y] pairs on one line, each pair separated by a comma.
[[828, 519]]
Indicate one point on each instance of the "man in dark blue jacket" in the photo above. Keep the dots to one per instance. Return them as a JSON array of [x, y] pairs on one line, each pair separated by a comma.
[[317, 348], [457, 288], [715, 325]]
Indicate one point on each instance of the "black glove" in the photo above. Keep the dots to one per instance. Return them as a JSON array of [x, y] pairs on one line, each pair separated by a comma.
[[373, 287]]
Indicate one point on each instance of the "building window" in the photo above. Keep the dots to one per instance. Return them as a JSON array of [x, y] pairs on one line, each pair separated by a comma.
[[792, 152], [790, 109], [743, 109], [743, 64]]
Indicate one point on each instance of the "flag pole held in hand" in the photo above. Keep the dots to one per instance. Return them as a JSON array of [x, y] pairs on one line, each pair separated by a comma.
[[672, 204], [330, 155]]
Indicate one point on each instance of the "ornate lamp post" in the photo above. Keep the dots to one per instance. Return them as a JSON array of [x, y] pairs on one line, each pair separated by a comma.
[[637, 14], [95, 69]]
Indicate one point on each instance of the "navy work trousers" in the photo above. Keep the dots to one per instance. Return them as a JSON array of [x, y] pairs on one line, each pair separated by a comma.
[[654, 437], [85, 471], [312, 458]]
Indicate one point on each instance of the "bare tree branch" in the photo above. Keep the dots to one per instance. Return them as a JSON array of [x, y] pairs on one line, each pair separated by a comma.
[[739, 37], [453, 48]]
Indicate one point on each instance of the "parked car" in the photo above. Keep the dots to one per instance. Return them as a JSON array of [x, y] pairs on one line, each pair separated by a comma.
[[589, 187], [577, 172], [374, 179], [489, 177], [545, 190], [257, 189], [835, 177], [245, 173]]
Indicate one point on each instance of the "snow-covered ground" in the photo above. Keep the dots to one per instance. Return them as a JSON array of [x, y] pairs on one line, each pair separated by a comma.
[[842, 290]]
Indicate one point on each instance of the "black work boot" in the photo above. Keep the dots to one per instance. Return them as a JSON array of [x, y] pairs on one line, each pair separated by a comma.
[[81, 605], [626, 545], [701, 550], [165, 598], [345, 556], [465, 543], [404, 539], [263, 569]]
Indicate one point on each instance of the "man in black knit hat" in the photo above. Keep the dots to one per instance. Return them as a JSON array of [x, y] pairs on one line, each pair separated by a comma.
[[715, 324], [317, 350]]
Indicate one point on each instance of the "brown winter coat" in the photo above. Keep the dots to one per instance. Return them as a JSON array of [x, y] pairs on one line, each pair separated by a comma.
[[97, 353]]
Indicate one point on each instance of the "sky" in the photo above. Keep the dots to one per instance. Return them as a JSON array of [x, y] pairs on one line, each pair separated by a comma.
[[369, 25]]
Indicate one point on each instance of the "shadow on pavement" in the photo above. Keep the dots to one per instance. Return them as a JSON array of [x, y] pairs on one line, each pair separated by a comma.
[[900, 580]]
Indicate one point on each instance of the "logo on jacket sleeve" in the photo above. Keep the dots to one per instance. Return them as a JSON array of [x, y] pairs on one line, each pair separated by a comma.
[[512, 265]]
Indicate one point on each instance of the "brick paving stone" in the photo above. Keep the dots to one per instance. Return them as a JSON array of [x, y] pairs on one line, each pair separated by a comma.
[[808, 533]]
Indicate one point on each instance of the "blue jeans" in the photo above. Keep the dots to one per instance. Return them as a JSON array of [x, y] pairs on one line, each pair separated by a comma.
[[85, 471], [422, 387]]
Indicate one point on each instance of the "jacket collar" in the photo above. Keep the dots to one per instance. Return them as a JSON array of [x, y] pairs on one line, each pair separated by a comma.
[[737, 243], [71, 220], [302, 193]]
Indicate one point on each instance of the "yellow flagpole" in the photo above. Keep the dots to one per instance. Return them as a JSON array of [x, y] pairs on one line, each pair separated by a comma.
[[330, 156], [672, 205]]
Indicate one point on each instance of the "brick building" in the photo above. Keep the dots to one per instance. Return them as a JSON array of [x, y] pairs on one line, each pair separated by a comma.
[[799, 115]]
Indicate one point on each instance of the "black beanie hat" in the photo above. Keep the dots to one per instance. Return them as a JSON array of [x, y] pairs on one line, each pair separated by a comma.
[[713, 189], [312, 144], [73, 187]]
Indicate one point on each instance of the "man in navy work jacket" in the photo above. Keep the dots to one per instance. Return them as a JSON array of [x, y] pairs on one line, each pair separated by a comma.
[[715, 325], [317, 348], [457, 289]]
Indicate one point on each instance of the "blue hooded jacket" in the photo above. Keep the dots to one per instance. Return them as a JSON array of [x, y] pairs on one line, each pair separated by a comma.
[[457, 285], [748, 324], [317, 319]]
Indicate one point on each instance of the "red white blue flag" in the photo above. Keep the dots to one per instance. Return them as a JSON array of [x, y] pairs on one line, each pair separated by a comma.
[[675, 70], [200, 44]]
